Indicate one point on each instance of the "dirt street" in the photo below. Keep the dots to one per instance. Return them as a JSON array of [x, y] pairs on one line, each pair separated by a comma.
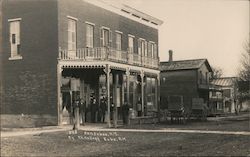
[[125, 143]]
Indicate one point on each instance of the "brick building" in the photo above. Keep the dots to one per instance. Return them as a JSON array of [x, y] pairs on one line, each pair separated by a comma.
[[53, 50]]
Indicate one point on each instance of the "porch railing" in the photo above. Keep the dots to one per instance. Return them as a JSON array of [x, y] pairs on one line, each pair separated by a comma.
[[108, 54]]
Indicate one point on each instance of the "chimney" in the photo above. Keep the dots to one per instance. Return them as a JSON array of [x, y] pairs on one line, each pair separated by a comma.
[[170, 55]]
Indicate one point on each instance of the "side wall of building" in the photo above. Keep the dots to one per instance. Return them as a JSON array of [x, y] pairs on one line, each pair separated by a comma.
[[100, 17], [181, 82], [30, 83]]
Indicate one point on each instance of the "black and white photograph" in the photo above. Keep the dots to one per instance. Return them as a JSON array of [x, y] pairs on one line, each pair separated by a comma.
[[114, 78]]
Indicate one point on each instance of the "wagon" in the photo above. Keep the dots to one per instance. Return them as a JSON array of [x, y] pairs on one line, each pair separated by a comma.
[[199, 109], [176, 109]]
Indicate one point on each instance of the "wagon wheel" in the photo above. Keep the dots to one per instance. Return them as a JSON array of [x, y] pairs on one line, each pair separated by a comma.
[[185, 117], [203, 116], [171, 118]]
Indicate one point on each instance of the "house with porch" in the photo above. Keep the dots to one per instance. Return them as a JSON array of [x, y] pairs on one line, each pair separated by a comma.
[[228, 87], [54, 51]]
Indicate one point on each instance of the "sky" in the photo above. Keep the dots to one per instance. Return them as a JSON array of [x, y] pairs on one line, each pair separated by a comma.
[[213, 29]]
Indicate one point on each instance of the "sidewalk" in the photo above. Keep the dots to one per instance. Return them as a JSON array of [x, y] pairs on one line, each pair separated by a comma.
[[9, 132], [241, 116]]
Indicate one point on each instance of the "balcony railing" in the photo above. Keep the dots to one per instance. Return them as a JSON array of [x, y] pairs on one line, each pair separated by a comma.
[[107, 54]]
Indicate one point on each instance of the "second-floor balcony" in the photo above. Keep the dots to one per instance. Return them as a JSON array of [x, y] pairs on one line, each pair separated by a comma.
[[108, 54]]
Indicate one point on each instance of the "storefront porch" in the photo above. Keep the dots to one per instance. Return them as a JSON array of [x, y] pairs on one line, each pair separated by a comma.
[[116, 82]]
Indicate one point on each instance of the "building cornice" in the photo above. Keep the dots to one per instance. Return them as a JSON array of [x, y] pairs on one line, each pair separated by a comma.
[[128, 12]]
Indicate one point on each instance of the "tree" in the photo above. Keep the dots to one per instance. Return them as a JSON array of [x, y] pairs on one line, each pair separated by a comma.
[[217, 72], [244, 72], [243, 81]]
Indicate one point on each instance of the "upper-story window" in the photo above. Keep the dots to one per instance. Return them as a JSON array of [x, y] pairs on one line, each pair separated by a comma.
[[152, 52], [207, 77], [131, 43], [118, 40], [71, 37], [141, 47], [15, 38], [90, 35], [106, 37], [201, 77]]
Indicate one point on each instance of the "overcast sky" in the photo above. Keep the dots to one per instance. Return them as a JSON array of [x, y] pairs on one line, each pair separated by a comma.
[[212, 29]]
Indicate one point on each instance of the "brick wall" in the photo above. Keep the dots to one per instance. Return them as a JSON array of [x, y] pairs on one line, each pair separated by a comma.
[[100, 17], [30, 85]]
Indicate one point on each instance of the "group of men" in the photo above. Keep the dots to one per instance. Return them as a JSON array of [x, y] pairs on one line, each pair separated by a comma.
[[97, 112]]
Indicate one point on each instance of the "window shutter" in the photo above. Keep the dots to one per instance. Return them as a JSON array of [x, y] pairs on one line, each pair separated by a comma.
[[139, 47], [86, 35], [150, 50], [101, 37], [155, 51], [17, 32], [110, 38]]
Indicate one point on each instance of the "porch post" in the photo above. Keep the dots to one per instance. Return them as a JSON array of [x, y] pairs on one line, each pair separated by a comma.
[[59, 94], [107, 71], [115, 107], [127, 75], [142, 91], [157, 84]]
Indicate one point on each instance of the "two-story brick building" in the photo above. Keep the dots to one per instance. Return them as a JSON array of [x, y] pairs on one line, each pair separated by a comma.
[[186, 78], [53, 50]]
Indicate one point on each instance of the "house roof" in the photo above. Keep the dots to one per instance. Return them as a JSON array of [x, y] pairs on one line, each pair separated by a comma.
[[224, 81], [184, 65]]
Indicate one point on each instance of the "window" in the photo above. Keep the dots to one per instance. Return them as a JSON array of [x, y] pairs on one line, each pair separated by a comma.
[[141, 47], [150, 92], [200, 77], [89, 36], [207, 78], [118, 41], [155, 52], [213, 93], [131, 44], [15, 39], [151, 50], [71, 37], [106, 37]]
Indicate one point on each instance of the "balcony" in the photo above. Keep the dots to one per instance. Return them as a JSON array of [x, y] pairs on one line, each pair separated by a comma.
[[108, 54]]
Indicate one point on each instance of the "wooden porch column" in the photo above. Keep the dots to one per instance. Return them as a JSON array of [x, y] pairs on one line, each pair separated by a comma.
[[59, 94], [127, 75], [157, 84], [115, 107], [142, 91], [107, 71]]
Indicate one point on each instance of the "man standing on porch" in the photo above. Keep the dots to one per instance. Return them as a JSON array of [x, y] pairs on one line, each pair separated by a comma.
[[76, 118], [93, 109], [82, 111], [139, 108], [103, 107]]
